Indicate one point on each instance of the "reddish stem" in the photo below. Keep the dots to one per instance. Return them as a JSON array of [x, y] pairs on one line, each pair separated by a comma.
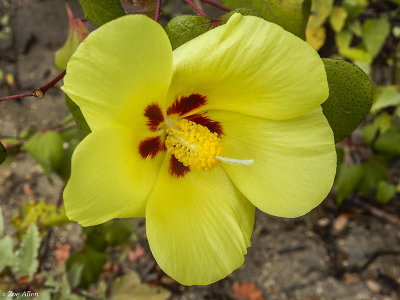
[[220, 6], [38, 92], [158, 11], [196, 8]]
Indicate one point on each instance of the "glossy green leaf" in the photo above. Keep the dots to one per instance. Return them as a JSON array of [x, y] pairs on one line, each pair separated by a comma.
[[77, 33], [3, 153], [350, 97], [78, 116], [292, 15], [100, 12], [26, 262], [47, 149], [182, 29], [129, 287], [7, 257], [346, 181], [375, 32], [385, 192]]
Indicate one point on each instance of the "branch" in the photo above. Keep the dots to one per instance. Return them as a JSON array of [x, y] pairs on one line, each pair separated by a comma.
[[38, 92], [217, 5], [158, 11], [196, 8]]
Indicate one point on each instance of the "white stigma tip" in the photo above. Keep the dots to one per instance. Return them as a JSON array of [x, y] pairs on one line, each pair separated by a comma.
[[232, 161]]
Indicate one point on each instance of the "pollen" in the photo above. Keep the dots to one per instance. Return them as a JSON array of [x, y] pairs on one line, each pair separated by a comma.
[[193, 145]]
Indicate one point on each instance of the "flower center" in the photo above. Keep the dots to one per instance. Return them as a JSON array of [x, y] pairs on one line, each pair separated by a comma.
[[193, 145]]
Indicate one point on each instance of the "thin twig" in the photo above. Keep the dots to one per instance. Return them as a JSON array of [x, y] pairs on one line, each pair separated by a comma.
[[196, 8], [378, 212], [215, 4], [38, 92], [158, 11]]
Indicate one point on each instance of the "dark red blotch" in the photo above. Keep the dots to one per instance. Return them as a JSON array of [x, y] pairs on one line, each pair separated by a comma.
[[151, 147], [154, 116], [187, 104], [176, 168], [213, 126]]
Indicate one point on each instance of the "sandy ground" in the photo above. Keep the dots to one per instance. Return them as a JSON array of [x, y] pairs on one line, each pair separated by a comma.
[[314, 257]]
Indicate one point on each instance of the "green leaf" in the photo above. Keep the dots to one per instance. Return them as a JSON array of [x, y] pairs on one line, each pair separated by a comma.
[[338, 18], [346, 181], [320, 10], [77, 33], [116, 232], [92, 261], [292, 15], [343, 40], [78, 116], [375, 32], [47, 149], [1, 222], [372, 173], [182, 29], [100, 12], [389, 142], [74, 274], [3, 153], [385, 192], [385, 96], [27, 256], [6, 253], [129, 287], [350, 97]]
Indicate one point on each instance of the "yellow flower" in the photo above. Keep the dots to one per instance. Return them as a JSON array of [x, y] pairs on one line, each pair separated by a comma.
[[195, 138]]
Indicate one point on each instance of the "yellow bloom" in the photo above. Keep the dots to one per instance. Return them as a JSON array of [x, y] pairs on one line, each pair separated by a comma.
[[194, 139]]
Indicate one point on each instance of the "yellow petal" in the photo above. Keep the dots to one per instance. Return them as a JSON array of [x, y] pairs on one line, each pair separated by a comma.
[[198, 226], [108, 178], [118, 70], [253, 67], [294, 160]]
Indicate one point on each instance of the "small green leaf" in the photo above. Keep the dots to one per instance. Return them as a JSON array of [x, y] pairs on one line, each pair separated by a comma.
[[320, 10], [46, 149], [375, 32], [292, 15], [350, 97], [116, 232], [243, 11], [77, 33], [3, 153], [6, 253], [100, 12], [129, 287], [372, 173], [389, 142], [338, 18], [92, 261], [78, 116], [385, 96], [74, 274], [385, 192], [27, 256], [182, 29], [346, 181]]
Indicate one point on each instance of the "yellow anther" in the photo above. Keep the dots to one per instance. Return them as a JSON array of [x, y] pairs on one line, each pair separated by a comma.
[[193, 144]]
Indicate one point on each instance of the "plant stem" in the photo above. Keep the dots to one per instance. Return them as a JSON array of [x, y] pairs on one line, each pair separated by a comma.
[[196, 8], [215, 4], [158, 11], [38, 92]]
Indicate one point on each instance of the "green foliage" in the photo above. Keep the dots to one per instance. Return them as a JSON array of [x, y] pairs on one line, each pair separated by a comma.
[[78, 116], [92, 262], [7, 256], [3, 153], [100, 12], [375, 32], [347, 179], [292, 15], [385, 192], [26, 261], [385, 96], [182, 29], [129, 287], [47, 149], [320, 10], [350, 97], [1, 222], [77, 33]]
